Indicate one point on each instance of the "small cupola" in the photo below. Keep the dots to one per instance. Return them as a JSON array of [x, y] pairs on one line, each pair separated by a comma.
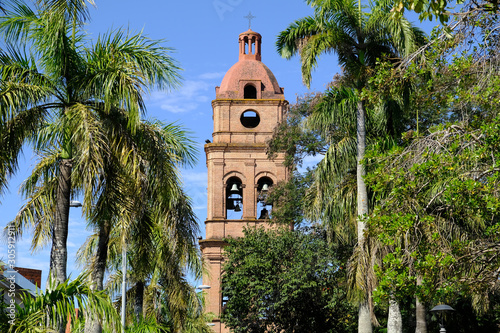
[[250, 43], [249, 78]]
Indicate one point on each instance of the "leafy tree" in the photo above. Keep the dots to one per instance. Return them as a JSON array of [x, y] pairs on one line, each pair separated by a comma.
[[453, 79], [161, 314], [359, 39], [438, 209], [442, 9], [293, 137], [281, 280], [161, 250]]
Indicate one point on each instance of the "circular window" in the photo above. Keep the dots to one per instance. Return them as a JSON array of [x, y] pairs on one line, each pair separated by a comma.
[[250, 119]]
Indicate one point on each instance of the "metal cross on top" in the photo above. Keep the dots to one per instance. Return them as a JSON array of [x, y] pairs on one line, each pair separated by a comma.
[[249, 17]]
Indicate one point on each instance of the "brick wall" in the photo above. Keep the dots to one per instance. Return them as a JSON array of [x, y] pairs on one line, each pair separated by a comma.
[[34, 275]]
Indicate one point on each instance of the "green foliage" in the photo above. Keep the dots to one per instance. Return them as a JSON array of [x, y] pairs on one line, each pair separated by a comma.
[[289, 199], [454, 77], [358, 36], [46, 310], [438, 210], [79, 105], [440, 9], [293, 137], [147, 325], [282, 280], [437, 194]]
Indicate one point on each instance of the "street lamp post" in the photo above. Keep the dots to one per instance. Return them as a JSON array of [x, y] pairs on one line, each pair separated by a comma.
[[75, 203], [441, 309], [205, 287], [124, 280]]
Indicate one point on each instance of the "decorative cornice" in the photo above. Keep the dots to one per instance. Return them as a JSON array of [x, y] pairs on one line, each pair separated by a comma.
[[235, 101], [204, 243]]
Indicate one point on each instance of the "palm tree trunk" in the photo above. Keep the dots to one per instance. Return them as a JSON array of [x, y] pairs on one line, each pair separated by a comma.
[[364, 316], [97, 277], [362, 201], [59, 251], [101, 255], [139, 300], [394, 320], [420, 312]]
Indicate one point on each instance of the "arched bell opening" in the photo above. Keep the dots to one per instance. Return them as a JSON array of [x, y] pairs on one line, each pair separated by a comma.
[[234, 198], [250, 92], [264, 209]]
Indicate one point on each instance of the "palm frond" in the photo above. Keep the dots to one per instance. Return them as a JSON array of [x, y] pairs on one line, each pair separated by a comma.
[[38, 211], [75, 11], [122, 67], [60, 301]]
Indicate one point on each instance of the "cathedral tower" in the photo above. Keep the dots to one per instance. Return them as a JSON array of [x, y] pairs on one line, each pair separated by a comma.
[[248, 105]]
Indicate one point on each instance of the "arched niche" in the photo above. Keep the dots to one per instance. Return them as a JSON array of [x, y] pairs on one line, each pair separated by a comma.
[[250, 92], [234, 198], [264, 208]]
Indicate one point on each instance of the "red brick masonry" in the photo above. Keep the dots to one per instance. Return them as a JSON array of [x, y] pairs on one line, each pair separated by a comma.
[[34, 275]]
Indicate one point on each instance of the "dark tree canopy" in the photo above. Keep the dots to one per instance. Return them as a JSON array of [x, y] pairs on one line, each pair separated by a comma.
[[285, 281]]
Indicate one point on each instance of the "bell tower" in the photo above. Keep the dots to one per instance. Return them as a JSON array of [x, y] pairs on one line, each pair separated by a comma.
[[248, 105]]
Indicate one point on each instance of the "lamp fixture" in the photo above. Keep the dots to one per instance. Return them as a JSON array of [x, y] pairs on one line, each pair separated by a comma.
[[75, 203], [203, 287], [441, 309]]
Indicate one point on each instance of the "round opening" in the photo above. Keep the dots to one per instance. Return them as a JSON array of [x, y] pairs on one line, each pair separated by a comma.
[[250, 119]]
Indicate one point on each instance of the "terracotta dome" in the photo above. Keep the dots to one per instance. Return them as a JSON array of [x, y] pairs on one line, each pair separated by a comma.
[[249, 70]]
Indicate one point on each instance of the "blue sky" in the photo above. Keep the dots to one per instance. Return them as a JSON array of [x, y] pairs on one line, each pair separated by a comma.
[[204, 34]]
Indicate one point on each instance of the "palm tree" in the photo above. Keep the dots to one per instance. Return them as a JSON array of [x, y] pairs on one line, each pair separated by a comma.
[[161, 219], [162, 249], [69, 94], [173, 238], [46, 310], [359, 39], [146, 177]]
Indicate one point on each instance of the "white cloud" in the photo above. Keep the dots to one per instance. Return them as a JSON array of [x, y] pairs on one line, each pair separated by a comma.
[[213, 75], [176, 107], [33, 262], [195, 177], [25, 242], [187, 98]]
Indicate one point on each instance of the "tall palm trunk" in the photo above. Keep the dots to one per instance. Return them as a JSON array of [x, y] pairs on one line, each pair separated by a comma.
[[420, 312], [97, 277], [59, 251], [139, 300], [364, 316], [394, 320], [362, 201]]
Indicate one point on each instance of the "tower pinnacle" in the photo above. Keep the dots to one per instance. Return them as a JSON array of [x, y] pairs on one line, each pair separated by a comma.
[[250, 43]]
